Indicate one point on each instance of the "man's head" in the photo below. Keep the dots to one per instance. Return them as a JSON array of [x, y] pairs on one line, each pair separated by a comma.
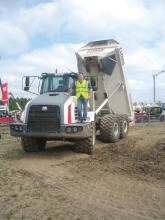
[[80, 77]]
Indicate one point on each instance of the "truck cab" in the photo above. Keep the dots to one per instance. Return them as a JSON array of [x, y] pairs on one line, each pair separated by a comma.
[[53, 114]]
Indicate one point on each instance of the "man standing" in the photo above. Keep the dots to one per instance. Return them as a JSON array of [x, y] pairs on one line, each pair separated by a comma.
[[83, 93]]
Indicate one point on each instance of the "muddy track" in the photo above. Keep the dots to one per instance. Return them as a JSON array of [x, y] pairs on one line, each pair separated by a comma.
[[124, 180]]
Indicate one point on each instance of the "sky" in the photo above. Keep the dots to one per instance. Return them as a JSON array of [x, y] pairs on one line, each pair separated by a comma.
[[42, 35]]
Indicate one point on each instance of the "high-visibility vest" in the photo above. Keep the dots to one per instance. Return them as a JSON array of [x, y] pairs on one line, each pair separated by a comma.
[[81, 89]]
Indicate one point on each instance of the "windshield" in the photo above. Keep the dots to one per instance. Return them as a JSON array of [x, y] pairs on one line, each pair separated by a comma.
[[54, 83]]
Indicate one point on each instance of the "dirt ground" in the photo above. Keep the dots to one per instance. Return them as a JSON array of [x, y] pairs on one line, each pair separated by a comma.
[[121, 181]]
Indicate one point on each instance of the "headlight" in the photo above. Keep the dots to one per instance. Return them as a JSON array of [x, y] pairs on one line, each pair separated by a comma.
[[20, 128], [75, 129], [68, 129], [16, 128]]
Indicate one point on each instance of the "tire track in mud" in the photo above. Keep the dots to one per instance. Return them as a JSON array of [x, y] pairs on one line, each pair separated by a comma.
[[98, 183], [123, 181], [111, 195]]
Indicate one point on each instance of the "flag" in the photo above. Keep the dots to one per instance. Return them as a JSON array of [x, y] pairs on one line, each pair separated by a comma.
[[0, 90], [4, 88]]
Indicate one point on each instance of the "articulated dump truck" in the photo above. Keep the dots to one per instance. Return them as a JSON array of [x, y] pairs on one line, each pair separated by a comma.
[[53, 114]]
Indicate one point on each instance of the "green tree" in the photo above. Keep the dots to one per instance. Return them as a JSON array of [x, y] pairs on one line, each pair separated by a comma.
[[21, 101]]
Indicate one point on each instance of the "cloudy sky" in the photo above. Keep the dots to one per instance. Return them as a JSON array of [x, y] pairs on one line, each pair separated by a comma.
[[41, 35]]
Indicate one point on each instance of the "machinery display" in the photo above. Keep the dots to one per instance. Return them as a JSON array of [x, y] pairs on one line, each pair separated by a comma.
[[53, 114], [152, 113], [5, 116]]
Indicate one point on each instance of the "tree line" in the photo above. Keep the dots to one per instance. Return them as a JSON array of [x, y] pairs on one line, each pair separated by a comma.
[[21, 101]]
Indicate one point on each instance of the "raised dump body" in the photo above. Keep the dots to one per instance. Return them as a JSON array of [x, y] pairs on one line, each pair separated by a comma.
[[103, 62]]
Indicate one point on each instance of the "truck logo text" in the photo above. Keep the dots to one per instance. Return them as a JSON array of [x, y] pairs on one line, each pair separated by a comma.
[[44, 108]]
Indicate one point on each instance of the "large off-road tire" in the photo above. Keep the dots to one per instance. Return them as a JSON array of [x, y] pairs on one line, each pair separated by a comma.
[[86, 146], [109, 128], [124, 125], [30, 144]]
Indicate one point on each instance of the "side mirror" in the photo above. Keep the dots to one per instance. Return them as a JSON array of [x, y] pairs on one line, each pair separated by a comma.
[[27, 83]]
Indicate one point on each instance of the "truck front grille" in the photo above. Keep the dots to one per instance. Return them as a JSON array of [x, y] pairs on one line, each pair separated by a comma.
[[44, 118]]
